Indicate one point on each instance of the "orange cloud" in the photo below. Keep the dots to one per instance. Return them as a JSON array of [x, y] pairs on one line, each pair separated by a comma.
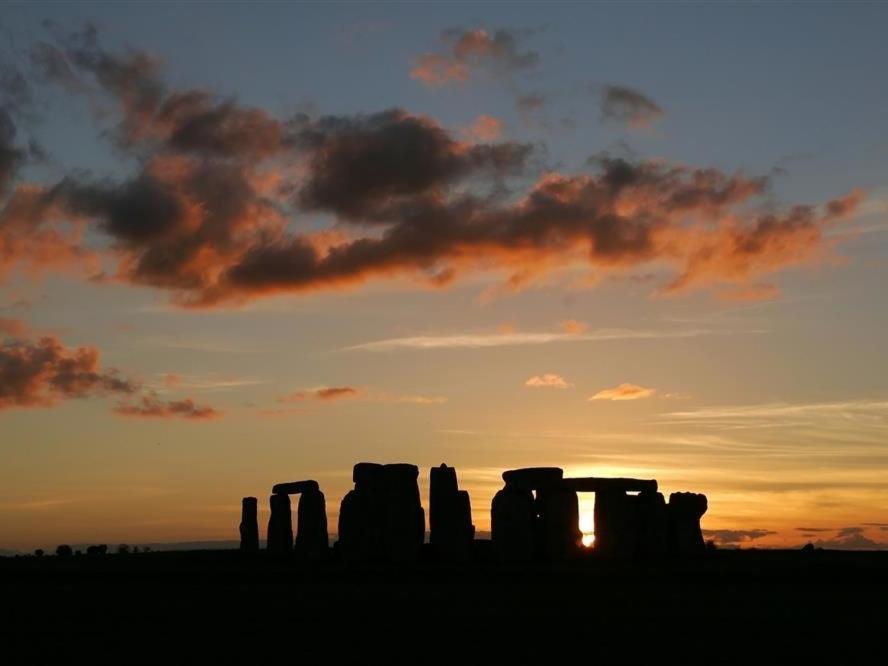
[[470, 49], [324, 393], [485, 128], [438, 70], [549, 380], [573, 327], [624, 392], [149, 406], [208, 216], [39, 374]]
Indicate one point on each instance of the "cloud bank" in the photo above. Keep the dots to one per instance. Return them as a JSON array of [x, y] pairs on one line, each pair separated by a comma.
[[222, 205]]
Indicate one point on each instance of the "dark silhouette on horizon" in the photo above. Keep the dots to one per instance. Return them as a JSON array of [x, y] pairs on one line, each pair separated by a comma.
[[534, 518]]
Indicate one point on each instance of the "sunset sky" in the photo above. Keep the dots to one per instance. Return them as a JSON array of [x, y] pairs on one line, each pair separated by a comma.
[[241, 245]]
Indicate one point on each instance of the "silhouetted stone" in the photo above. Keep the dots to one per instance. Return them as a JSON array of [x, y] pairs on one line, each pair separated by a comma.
[[684, 512], [653, 524], [558, 516], [354, 531], [616, 528], [592, 484], [311, 526], [532, 478], [295, 487], [280, 526], [512, 524], [382, 518], [450, 515], [369, 474], [464, 514], [249, 525]]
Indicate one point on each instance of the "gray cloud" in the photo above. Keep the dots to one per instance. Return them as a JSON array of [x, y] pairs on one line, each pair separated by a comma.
[[629, 107]]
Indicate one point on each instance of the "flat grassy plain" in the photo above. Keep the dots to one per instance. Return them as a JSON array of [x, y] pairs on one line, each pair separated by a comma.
[[748, 606]]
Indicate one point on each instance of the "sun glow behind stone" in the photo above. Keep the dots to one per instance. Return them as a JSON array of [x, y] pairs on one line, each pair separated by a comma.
[[587, 520]]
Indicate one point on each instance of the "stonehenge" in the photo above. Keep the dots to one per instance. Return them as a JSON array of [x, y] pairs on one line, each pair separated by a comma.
[[311, 520], [683, 513], [280, 525], [249, 525], [450, 515], [535, 517], [382, 518]]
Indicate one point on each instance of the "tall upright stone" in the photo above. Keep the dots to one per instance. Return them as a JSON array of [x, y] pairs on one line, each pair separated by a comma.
[[615, 524], [311, 525], [558, 518], [512, 524], [653, 525], [382, 519], [249, 525], [450, 515], [684, 512], [280, 525]]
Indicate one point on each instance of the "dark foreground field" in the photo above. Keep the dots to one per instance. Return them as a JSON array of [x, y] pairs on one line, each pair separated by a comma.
[[755, 607]]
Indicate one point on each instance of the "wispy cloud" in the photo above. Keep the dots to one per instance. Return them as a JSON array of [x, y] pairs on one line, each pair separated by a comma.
[[624, 392], [873, 412], [417, 399], [549, 380], [210, 382], [35, 505], [325, 393], [484, 340], [736, 538]]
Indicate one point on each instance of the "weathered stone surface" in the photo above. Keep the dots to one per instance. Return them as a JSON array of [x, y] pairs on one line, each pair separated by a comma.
[[295, 487], [684, 512], [558, 517], [311, 526], [280, 526], [593, 484], [532, 478], [512, 523], [450, 515], [249, 525], [382, 518]]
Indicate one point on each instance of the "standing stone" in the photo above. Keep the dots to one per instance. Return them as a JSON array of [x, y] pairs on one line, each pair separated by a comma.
[[249, 525], [684, 512], [615, 523], [558, 516], [450, 515], [352, 538], [382, 518], [311, 525], [404, 530], [653, 525], [512, 524], [280, 525]]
